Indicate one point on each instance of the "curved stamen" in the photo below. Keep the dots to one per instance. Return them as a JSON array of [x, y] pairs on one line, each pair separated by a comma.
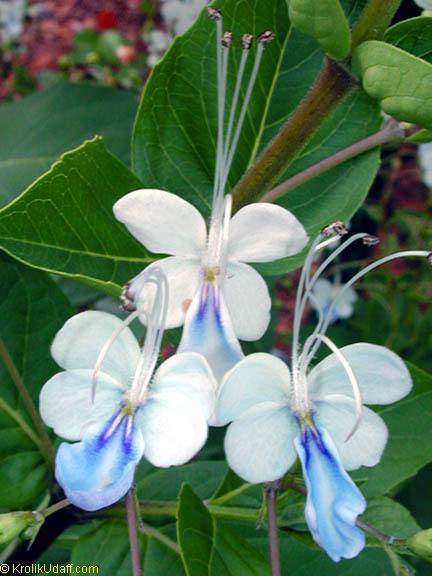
[[105, 349], [310, 282], [369, 268], [346, 365], [155, 321]]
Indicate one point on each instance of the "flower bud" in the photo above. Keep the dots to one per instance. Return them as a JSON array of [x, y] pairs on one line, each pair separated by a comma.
[[421, 544], [12, 524]]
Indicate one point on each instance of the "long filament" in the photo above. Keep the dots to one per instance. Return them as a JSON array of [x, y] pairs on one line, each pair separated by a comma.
[[351, 376], [372, 266]]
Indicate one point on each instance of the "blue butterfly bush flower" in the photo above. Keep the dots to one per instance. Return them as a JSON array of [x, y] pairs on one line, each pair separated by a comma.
[[315, 414], [117, 408], [214, 292]]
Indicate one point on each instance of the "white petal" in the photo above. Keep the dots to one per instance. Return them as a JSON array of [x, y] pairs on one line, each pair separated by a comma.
[[256, 379], [382, 376], [174, 429], [65, 402], [259, 445], [366, 446], [248, 301], [79, 343], [189, 374], [163, 222], [264, 232], [183, 279]]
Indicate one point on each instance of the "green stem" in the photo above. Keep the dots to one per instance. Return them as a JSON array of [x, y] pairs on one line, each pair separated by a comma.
[[54, 508], [392, 131], [374, 20], [331, 86], [160, 509], [230, 495], [45, 441], [157, 535], [21, 423]]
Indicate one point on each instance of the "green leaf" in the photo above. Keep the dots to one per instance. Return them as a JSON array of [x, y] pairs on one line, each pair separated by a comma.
[[203, 477], [233, 555], [195, 533], [299, 559], [413, 36], [210, 547], [421, 137], [64, 223], [402, 83], [409, 446], [107, 546], [38, 129], [32, 309], [326, 22], [174, 136], [390, 517]]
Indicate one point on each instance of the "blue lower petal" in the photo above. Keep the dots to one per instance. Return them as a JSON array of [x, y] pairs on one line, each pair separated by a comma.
[[333, 502], [99, 470], [208, 330]]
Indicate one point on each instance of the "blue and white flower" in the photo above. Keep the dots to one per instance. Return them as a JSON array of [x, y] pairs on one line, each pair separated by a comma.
[[324, 293], [315, 414], [133, 412], [214, 291]]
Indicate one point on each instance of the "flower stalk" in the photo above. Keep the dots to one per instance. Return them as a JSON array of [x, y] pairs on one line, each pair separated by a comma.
[[271, 491], [391, 132]]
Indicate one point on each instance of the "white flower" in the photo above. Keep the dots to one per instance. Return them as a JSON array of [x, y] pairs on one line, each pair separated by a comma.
[[136, 412], [11, 19], [214, 291], [318, 414], [179, 15], [426, 4], [425, 154], [324, 293]]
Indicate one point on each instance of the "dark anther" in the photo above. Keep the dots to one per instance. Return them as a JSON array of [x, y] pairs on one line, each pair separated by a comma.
[[127, 299], [227, 39], [429, 257], [370, 240], [247, 40], [265, 37], [338, 227], [214, 13]]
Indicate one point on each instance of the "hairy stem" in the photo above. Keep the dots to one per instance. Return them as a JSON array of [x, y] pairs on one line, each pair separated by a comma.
[[331, 86], [132, 522], [271, 490], [45, 441], [374, 20], [392, 131]]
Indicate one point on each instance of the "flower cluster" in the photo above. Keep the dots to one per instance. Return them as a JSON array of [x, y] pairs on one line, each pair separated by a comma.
[[116, 406]]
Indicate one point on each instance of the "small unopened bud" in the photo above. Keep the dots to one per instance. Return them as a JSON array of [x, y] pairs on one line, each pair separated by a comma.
[[227, 39], [127, 299], [13, 524], [265, 37], [247, 40], [338, 227], [421, 544], [370, 240], [214, 13]]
